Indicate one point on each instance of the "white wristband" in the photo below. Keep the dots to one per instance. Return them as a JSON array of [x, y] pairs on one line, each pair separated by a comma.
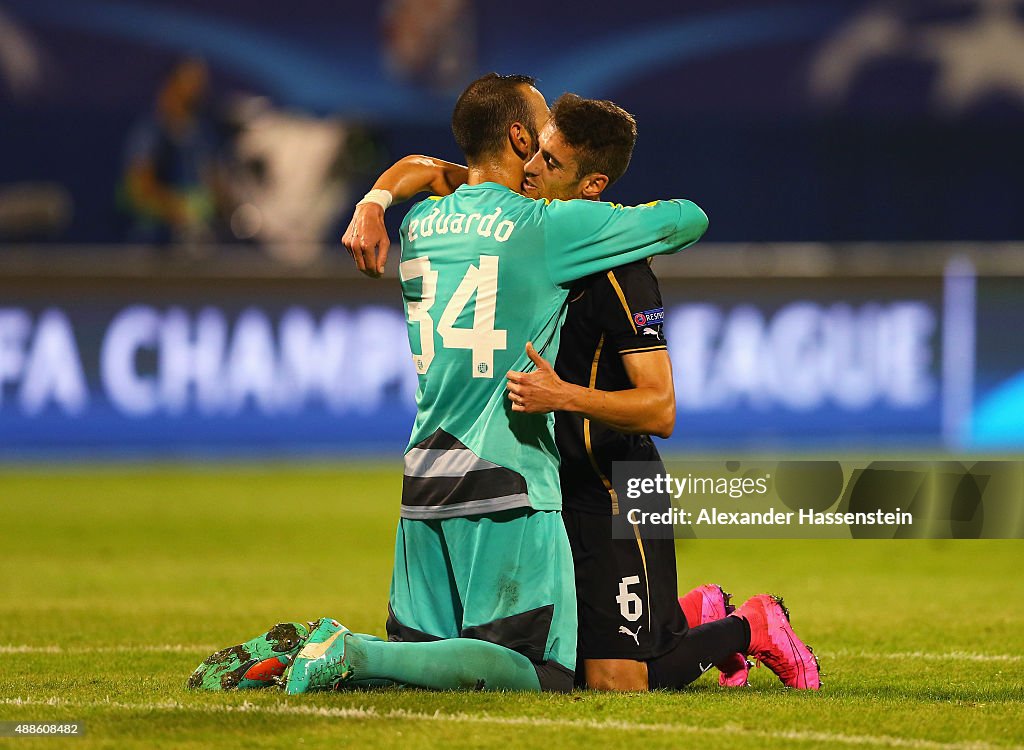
[[382, 198]]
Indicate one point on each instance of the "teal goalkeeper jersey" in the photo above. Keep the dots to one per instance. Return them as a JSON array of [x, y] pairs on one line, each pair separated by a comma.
[[483, 271]]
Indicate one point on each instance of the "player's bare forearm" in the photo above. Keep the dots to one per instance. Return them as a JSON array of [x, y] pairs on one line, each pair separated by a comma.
[[645, 411], [415, 174], [366, 237], [648, 408]]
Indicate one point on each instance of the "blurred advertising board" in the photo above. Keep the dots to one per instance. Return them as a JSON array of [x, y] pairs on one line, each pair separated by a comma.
[[209, 364]]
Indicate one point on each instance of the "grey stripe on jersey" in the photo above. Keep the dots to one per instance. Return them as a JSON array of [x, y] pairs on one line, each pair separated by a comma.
[[469, 508], [438, 462]]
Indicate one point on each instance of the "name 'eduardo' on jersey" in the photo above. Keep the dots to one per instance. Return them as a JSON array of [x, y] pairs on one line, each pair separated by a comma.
[[456, 223]]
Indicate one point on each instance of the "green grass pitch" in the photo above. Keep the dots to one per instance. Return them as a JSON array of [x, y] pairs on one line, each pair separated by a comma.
[[117, 582]]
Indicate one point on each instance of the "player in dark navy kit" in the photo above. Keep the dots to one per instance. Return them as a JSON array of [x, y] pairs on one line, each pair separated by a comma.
[[611, 388], [626, 588]]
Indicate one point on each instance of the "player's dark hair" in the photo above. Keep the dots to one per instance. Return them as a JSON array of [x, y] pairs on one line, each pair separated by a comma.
[[487, 109], [601, 132]]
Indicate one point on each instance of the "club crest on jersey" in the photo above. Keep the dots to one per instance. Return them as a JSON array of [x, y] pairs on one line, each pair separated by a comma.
[[654, 317]]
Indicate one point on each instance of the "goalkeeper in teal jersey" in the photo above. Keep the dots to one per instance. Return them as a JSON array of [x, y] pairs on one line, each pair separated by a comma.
[[482, 593], [483, 271]]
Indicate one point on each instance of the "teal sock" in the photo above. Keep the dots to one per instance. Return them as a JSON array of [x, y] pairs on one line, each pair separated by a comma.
[[369, 683], [452, 664]]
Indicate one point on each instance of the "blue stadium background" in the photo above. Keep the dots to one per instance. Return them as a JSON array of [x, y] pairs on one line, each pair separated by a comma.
[[860, 162]]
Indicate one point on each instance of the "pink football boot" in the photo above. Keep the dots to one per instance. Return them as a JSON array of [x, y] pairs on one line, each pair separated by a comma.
[[773, 642], [708, 603]]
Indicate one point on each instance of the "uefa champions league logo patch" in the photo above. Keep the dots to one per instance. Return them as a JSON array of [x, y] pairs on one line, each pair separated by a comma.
[[655, 317]]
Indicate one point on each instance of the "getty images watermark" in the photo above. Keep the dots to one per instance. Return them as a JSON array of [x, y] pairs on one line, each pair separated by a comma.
[[736, 488], [762, 499]]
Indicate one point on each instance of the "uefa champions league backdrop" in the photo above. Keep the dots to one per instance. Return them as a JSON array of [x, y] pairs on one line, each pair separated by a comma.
[[820, 122], [217, 365]]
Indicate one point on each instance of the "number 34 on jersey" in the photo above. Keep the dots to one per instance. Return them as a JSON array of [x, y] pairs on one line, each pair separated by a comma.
[[482, 339]]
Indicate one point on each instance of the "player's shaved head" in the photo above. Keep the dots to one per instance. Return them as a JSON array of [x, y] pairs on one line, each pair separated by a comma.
[[486, 110], [601, 133]]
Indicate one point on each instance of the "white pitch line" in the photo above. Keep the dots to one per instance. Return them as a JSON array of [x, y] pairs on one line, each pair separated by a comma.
[[177, 648], [728, 730], [924, 655]]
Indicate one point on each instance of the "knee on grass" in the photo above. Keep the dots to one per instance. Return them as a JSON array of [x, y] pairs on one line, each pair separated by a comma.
[[616, 675]]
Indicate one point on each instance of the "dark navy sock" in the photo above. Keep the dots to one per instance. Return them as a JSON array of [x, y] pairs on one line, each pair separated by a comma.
[[697, 651]]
